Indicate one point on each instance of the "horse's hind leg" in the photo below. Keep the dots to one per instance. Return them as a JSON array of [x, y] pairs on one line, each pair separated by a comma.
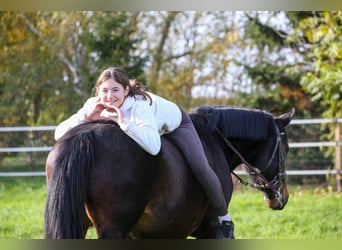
[[209, 225], [105, 227], [86, 225], [113, 220], [110, 229], [110, 232]]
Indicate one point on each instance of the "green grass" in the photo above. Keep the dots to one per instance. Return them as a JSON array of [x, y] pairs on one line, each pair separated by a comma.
[[22, 207], [310, 214]]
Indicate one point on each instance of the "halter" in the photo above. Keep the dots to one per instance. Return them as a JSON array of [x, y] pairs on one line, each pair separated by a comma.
[[262, 183]]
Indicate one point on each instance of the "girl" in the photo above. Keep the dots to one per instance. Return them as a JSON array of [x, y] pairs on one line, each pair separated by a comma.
[[145, 117]]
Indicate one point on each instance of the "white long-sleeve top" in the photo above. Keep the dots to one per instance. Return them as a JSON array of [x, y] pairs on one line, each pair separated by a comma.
[[143, 122]]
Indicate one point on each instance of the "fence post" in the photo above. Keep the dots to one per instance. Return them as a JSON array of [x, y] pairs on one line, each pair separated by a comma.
[[338, 157]]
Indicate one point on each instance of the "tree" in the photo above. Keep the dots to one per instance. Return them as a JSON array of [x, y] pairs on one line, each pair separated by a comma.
[[310, 76], [41, 62], [320, 36], [273, 63], [58, 55], [46, 66], [186, 53], [109, 41]]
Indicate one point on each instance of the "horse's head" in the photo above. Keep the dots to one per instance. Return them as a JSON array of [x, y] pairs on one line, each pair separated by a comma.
[[275, 190], [255, 139], [258, 140]]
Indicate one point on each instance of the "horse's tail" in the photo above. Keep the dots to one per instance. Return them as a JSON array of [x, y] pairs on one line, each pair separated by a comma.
[[65, 201]]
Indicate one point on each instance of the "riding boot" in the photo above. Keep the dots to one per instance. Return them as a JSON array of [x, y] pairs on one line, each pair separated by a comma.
[[225, 230]]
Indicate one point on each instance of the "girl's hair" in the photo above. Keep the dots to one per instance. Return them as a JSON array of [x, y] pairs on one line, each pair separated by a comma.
[[118, 74]]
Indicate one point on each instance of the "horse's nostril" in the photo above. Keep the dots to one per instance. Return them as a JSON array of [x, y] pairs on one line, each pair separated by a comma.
[[275, 204]]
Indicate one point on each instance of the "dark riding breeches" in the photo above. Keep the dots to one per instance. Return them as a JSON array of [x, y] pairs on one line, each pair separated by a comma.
[[187, 139]]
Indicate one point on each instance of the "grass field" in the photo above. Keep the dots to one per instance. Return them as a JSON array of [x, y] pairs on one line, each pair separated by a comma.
[[310, 214]]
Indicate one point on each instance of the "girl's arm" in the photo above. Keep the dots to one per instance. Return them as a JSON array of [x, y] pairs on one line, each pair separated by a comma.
[[142, 128], [90, 110], [72, 121]]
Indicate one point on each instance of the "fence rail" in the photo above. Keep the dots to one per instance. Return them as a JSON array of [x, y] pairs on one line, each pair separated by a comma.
[[239, 172], [25, 149], [22, 174], [337, 143], [27, 128]]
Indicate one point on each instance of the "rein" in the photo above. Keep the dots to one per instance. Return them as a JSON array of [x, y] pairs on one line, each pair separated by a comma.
[[252, 171]]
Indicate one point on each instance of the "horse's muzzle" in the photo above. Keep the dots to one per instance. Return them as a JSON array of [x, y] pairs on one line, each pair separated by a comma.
[[279, 200]]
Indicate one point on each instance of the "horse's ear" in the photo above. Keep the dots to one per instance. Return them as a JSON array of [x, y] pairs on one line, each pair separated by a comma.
[[284, 119]]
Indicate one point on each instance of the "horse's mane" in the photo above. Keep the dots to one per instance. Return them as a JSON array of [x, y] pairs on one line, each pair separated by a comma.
[[237, 123]]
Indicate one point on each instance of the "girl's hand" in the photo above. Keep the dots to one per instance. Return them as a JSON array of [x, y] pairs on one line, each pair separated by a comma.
[[95, 113], [113, 109]]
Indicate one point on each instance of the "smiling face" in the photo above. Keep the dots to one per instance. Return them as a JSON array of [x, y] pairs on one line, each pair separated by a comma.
[[112, 92]]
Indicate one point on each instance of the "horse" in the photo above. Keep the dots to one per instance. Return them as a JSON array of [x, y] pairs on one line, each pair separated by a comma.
[[98, 176]]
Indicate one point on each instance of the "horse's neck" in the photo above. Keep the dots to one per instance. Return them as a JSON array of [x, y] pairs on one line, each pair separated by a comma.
[[245, 149]]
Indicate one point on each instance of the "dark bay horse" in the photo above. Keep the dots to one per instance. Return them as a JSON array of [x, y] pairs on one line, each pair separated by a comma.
[[97, 175]]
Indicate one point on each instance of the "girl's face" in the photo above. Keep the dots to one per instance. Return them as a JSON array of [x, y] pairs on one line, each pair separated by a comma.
[[112, 93]]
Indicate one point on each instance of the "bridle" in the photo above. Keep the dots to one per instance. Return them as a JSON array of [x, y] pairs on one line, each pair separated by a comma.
[[260, 182]]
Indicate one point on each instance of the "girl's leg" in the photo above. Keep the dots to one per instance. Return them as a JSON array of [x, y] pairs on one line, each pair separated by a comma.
[[187, 139]]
